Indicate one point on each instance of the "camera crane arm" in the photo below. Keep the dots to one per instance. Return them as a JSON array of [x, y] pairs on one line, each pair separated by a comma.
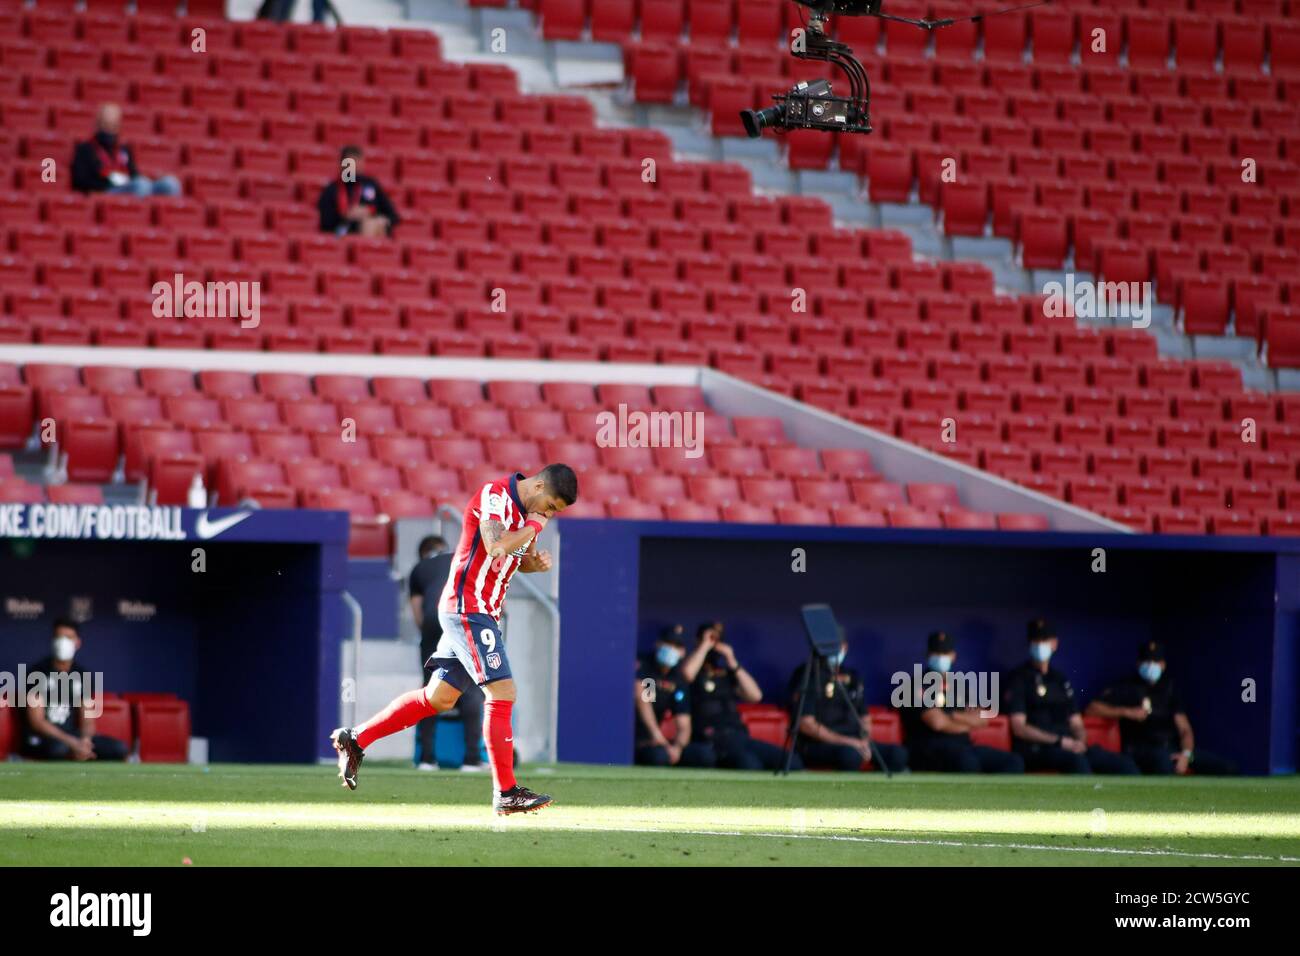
[[813, 105], [952, 21]]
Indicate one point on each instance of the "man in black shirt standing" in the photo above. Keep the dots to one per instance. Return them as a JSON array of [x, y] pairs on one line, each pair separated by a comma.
[[427, 580], [835, 732], [1152, 721], [718, 682], [355, 203], [1046, 728], [663, 691], [57, 721]]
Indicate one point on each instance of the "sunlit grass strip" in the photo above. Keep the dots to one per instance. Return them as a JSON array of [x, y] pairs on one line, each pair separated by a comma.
[[366, 816]]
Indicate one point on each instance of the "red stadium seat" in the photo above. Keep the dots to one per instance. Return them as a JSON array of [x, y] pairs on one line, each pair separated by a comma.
[[1102, 732], [766, 722], [163, 729], [994, 732], [115, 722]]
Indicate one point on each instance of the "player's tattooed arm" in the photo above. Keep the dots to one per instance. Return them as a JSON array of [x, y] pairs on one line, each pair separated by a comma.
[[492, 532], [500, 542]]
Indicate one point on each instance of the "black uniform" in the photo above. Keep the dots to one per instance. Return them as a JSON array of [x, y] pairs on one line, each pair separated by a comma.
[[717, 723], [828, 706], [428, 578], [952, 753], [1154, 741], [366, 191], [670, 696], [1048, 702], [63, 713]]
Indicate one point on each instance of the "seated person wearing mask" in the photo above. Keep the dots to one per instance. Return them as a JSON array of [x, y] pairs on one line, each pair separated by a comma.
[[718, 682], [938, 735], [1046, 728], [1152, 722], [833, 732], [662, 691], [57, 725]]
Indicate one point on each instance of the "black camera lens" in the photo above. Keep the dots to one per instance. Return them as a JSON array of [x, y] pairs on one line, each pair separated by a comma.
[[756, 120]]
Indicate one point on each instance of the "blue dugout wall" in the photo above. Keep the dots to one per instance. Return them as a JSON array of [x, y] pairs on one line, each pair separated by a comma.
[[251, 642], [1227, 608]]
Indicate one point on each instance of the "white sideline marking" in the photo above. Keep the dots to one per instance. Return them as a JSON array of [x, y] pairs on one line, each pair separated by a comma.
[[898, 841], [180, 811]]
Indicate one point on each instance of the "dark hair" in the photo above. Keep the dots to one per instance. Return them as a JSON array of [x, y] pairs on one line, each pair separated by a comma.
[[351, 152], [65, 622], [699, 631], [430, 543], [673, 634], [560, 482]]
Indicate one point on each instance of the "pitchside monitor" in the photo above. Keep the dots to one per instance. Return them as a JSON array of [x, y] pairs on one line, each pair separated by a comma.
[[823, 630]]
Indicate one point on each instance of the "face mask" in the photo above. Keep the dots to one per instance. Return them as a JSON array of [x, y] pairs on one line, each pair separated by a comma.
[[64, 648], [1040, 651], [1150, 671], [667, 655], [939, 662], [835, 660]]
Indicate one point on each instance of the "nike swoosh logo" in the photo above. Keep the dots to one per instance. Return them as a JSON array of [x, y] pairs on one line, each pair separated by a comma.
[[510, 740], [210, 529]]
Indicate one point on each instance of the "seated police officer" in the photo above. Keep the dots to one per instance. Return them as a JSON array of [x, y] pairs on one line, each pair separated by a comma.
[[1152, 722], [1046, 728], [835, 732], [57, 719], [718, 683], [662, 691], [938, 732]]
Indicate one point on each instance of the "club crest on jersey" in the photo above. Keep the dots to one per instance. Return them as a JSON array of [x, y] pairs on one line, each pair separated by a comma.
[[494, 661]]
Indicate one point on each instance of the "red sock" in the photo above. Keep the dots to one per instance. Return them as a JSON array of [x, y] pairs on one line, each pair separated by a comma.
[[401, 713], [500, 742]]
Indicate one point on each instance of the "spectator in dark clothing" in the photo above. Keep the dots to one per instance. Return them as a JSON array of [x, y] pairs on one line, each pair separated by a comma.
[[1046, 727], [1153, 724], [938, 732], [718, 683], [282, 11], [835, 729], [355, 204], [662, 691], [427, 580], [57, 721], [105, 164]]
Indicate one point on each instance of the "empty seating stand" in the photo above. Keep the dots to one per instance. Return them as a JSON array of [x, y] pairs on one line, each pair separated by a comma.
[[275, 438], [693, 267]]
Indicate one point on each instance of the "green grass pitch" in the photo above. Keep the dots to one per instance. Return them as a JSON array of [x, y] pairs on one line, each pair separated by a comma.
[[231, 814]]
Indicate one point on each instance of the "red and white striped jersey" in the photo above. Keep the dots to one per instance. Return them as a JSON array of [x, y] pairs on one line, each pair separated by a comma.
[[474, 586]]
